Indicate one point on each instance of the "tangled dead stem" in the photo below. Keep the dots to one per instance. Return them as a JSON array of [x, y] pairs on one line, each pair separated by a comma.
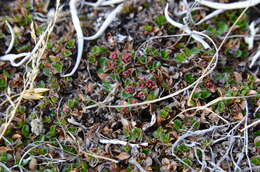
[[149, 85]]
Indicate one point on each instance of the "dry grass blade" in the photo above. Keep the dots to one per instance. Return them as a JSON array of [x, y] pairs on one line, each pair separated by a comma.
[[34, 94], [5, 167], [31, 74], [255, 58], [100, 157]]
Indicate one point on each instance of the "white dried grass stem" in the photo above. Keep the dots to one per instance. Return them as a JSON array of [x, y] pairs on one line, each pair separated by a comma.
[[98, 3], [27, 56], [195, 133], [100, 157], [203, 163], [251, 125], [30, 76], [120, 142], [11, 44], [202, 108], [185, 28], [36, 48], [40, 19], [152, 122], [245, 137], [209, 16], [198, 38], [231, 142], [180, 13], [205, 107], [72, 121], [12, 57], [255, 168], [250, 39], [104, 3], [239, 159], [255, 58], [174, 23], [229, 6], [80, 41], [4, 167], [106, 23], [219, 169]]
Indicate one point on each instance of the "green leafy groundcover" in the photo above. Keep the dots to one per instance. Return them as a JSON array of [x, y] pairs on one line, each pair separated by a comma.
[[60, 132]]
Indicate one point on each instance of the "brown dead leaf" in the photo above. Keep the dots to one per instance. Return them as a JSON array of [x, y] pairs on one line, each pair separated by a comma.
[[33, 164], [4, 149], [16, 136], [89, 88], [125, 123], [102, 75], [238, 116], [224, 165], [123, 156], [237, 100]]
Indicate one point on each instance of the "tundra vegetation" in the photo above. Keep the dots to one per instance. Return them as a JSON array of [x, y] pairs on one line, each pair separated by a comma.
[[129, 85]]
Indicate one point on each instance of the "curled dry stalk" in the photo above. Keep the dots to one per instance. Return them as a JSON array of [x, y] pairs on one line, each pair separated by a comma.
[[209, 16], [229, 6], [79, 33], [106, 23], [11, 44], [31, 72], [186, 29], [103, 3], [120, 142]]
